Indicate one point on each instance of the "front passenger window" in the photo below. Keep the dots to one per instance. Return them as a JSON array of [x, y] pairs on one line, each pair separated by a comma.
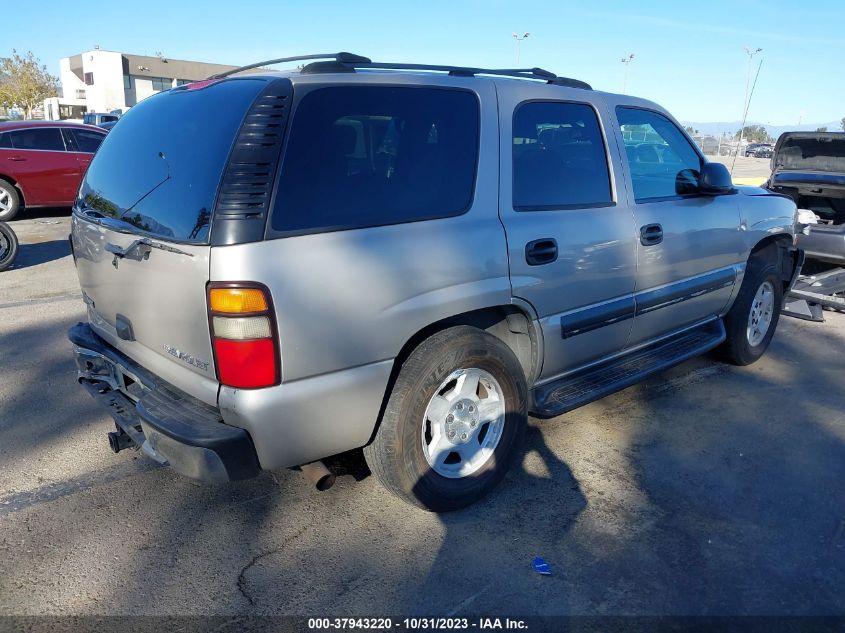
[[662, 162]]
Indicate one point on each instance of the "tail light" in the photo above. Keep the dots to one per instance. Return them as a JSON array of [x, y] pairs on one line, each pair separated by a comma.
[[243, 334]]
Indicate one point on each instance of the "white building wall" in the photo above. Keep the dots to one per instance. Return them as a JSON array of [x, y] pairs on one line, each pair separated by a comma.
[[107, 92], [70, 82]]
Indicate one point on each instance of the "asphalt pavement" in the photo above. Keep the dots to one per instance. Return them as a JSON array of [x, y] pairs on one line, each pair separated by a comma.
[[706, 490]]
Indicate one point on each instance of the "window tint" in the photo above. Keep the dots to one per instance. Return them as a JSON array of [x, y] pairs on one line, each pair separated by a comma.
[[159, 170], [87, 141], [559, 160], [662, 161], [38, 138], [368, 156], [5, 141]]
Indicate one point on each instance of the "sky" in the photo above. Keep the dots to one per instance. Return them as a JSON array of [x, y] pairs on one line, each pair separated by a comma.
[[689, 57]]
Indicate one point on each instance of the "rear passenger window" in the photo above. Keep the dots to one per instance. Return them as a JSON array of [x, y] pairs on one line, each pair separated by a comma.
[[662, 162], [5, 141], [49, 139], [559, 159], [368, 155], [87, 141]]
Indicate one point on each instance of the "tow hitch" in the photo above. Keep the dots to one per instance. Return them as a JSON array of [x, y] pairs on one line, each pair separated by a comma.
[[119, 439]]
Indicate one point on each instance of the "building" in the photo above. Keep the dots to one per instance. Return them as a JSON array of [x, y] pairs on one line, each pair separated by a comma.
[[103, 81]]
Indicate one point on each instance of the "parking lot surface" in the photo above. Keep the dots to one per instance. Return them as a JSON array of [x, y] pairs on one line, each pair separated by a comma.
[[708, 489]]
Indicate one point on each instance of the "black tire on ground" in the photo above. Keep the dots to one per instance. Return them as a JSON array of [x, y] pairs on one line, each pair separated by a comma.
[[737, 349], [8, 246], [396, 455], [14, 205]]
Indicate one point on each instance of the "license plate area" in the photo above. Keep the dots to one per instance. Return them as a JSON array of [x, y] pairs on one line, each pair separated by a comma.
[[96, 367]]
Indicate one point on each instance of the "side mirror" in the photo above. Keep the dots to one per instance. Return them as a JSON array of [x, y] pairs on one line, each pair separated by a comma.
[[715, 180]]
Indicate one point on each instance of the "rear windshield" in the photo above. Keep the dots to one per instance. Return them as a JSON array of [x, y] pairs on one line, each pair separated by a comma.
[[824, 153], [370, 155], [158, 171]]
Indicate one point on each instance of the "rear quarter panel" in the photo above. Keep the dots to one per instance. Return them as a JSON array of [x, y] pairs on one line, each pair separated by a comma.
[[346, 303], [351, 297]]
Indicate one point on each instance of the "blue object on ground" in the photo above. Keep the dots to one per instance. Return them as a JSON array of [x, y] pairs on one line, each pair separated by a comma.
[[542, 567]]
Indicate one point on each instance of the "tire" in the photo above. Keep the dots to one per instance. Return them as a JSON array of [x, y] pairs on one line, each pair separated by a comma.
[[432, 398], [761, 291], [8, 246], [10, 201]]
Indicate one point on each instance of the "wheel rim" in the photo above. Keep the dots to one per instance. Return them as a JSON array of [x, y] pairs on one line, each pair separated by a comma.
[[5, 246], [5, 201], [760, 315], [463, 423]]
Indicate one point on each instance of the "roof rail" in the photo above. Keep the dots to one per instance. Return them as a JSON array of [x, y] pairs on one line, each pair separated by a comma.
[[458, 71], [346, 58]]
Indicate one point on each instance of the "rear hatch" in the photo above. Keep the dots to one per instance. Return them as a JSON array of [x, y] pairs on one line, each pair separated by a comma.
[[809, 156], [141, 223], [810, 168]]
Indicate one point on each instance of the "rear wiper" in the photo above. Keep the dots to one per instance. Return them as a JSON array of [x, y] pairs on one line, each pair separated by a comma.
[[141, 250]]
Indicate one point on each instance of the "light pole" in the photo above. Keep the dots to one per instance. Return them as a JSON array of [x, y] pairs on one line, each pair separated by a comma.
[[627, 61], [751, 52], [518, 43]]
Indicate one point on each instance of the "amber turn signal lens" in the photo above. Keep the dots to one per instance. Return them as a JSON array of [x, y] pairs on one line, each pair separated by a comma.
[[237, 300]]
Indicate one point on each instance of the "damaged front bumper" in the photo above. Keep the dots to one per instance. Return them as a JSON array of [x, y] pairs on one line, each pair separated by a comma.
[[167, 424]]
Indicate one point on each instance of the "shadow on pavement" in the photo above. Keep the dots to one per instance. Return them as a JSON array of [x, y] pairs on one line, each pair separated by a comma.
[[40, 253], [41, 212]]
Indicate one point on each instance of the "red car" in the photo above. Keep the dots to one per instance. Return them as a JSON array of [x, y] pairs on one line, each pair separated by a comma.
[[42, 163]]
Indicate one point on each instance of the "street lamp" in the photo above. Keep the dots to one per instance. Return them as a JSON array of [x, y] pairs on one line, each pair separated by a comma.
[[626, 61], [518, 43], [751, 52]]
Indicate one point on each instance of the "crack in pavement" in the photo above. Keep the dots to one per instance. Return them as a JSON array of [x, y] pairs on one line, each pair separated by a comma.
[[241, 582]]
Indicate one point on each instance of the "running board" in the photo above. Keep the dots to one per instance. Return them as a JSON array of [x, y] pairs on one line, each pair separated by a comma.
[[570, 392]]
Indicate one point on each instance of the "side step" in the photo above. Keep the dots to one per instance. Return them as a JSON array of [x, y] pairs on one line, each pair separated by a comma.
[[573, 391]]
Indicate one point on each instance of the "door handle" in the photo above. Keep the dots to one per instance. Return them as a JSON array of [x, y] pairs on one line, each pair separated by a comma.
[[651, 234], [542, 251], [17, 159]]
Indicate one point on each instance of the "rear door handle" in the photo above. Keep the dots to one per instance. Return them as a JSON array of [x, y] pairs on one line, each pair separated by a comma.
[[542, 251], [17, 159], [651, 234]]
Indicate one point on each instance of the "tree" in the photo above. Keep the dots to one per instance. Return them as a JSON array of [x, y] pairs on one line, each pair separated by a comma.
[[690, 130], [754, 134], [25, 82], [842, 123], [821, 129]]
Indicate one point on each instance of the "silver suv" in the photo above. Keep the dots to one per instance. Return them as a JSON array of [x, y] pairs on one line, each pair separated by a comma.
[[280, 267]]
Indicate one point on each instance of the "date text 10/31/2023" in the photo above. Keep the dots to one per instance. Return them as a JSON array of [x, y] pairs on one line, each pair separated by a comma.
[[416, 624]]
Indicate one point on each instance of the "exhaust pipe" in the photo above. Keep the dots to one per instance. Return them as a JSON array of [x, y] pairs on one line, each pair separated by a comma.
[[118, 440], [320, 476]]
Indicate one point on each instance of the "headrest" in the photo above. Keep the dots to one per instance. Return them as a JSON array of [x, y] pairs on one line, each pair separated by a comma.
[[342, 138]]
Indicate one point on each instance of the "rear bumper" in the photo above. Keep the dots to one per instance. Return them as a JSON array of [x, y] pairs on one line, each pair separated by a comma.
[[825, 243], [167, 424]]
